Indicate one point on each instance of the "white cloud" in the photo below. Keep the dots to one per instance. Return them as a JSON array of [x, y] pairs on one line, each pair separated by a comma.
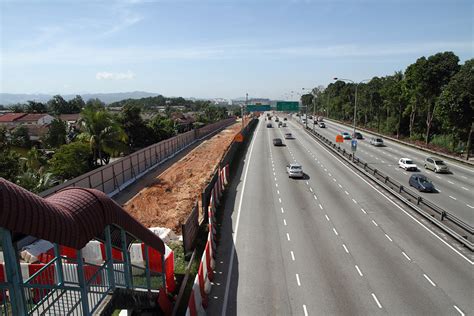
[[104, 75]]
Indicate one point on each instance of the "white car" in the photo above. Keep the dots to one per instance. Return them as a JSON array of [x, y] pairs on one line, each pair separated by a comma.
[[407, 164], [346, 135], [294, 170], [376, 141]]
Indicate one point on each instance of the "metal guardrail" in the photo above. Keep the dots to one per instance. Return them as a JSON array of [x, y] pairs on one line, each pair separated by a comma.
[[401, 142], [114, 177], [458, 229]]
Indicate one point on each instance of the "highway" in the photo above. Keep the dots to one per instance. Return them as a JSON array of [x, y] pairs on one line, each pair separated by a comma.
[[455, 191], [329, 244]]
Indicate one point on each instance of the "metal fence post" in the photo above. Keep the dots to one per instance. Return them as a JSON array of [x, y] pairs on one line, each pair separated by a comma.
[[163, 271], [109, 256], [82, 283], [59, 264], [13, 270], [147, 269], [127, 266]]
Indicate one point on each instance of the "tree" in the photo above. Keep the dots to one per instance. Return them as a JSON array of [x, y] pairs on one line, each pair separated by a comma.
[[9, 164], [95, 104], [427, 77], [307, 99], [21, 137], [162, 128], [138, 133], [18, 108], [36, 107], [75, 105], [455, 106], [57, 105], [71, 160], [105, 136], [56, 135]]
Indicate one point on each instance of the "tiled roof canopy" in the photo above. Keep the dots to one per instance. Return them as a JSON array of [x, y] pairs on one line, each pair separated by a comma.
[[70, 217]]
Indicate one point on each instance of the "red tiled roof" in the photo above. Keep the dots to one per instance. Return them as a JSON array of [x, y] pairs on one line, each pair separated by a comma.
[[70, 217], [69, 117], [10, 117], [31, 117]]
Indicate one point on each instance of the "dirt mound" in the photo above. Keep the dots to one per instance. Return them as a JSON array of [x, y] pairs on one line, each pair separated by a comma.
[[169, 200]]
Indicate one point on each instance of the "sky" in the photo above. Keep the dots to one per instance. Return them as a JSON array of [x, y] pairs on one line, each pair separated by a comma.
[[219, 48]]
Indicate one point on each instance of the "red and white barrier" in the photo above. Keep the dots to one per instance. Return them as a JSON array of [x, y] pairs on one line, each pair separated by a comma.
[[195, 304]]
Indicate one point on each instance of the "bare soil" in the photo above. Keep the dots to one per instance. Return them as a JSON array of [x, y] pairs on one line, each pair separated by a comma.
[[168, 201]]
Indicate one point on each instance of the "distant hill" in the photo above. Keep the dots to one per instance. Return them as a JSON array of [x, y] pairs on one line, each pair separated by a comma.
[[13, 98]]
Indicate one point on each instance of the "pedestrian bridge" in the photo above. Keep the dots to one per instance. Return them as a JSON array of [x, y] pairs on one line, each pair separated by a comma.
[[71, 252]]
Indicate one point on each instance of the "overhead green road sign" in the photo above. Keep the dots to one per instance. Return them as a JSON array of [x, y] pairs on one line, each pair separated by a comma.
[[258, 108], [288, 106]]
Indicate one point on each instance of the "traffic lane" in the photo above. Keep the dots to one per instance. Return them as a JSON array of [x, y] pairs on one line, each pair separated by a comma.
[[329, 281], [465, 173], [378, 259], [256, 286], [451, 270], [452, 197]]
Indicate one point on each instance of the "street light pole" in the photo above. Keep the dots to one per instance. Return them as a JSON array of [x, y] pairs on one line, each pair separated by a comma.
[[355, 99]]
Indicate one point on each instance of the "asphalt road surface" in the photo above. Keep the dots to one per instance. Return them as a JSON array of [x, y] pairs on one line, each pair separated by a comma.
[[329, 244], [455, 190]]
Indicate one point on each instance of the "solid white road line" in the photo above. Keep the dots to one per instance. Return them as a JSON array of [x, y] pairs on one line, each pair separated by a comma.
[[459, 310], [298, 279], [429, 280], [335, 231], [388, 237], [345, 248], [358, 270], [305, 310], [288, 236], [232, 251], [292, 255], [406, 256], [376, 300]]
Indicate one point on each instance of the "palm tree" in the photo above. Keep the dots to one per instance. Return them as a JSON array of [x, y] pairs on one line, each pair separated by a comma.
[[105, 136]]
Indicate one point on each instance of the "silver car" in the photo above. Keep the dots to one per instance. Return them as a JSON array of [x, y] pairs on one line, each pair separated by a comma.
[[376, 141], [436, 164], [294, 170]]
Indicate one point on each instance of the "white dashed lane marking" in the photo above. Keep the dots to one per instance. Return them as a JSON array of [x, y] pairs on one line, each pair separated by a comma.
[[288, 236], [429, 280], [292, 255], [298, 279], [347, 193], [388, 237], [406, 256], [376, 300], [457, 308], [453, 197], [358, 270], [375, 223], [345, 248]]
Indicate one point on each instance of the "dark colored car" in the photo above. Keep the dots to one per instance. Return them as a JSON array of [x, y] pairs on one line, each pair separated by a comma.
[[421, 183], [277, 142], [269, 125], [285, 119], [357, 135]]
